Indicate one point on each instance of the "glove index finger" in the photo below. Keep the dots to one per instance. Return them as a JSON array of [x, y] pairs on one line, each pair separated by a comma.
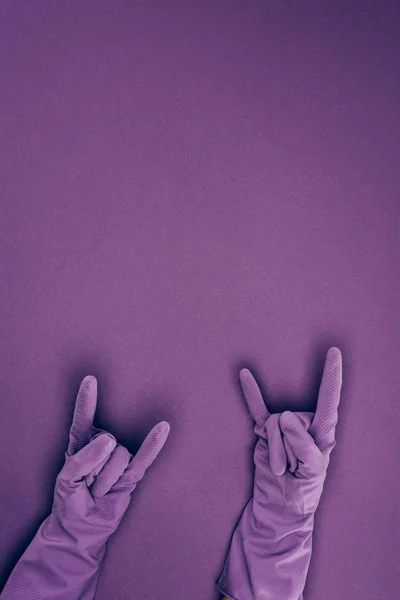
[[325, 419], [82, 422], [253, 397]]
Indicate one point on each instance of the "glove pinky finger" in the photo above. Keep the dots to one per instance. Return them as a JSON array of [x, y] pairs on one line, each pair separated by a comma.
[[145, 456]]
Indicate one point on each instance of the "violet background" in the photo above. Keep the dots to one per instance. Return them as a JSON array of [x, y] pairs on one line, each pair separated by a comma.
[[189, 188]]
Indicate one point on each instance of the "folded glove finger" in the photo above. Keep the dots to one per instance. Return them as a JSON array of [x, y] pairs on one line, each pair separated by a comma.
[[89, 458], [292, 460], [145, 456], [277, 454], [324, 422], [90, 478], [309, 457], [82, 421], [305, 418], [253, 397], [111, 472]]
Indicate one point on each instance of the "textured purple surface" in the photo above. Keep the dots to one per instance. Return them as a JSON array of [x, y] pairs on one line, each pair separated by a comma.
[[188, 188]]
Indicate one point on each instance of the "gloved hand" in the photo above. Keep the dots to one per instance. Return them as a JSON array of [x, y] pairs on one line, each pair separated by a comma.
[[270, 550], [91, 495]]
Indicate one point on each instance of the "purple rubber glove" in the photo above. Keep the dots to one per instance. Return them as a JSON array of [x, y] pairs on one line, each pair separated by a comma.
[[270, 550], [91, 495]]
